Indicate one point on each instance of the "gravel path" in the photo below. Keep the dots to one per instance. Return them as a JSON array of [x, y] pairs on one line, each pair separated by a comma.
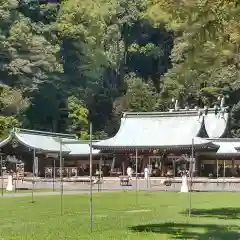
[[50, 193], [71, 188]]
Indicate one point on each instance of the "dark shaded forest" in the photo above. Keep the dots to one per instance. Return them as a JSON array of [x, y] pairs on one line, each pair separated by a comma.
[[66, 63]]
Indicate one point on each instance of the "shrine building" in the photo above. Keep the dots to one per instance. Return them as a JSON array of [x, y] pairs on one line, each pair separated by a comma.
[[165, 141], [26, 145]]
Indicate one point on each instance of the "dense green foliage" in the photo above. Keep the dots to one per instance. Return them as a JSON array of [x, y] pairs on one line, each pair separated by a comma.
[[65, 64]]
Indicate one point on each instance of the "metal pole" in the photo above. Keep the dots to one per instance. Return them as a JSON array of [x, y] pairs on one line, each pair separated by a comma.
[[61, 175], [2, 173], [100, 173], [54, 174], [15, 184], [90, 177], [33, 173], [190, 175], [136, 176]]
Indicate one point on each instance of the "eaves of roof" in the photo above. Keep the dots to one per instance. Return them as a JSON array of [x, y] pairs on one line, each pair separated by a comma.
[[50, 142]]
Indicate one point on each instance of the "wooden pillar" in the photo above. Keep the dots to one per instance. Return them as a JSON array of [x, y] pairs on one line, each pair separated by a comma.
[[217, 168], [136, 168], [100, 167], [224, 168], [161, 167], [113, 163], [174, 167], [123, 167], [233, 166], [200, 166]]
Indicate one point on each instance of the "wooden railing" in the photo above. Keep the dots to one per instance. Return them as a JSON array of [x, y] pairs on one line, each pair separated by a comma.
[[67, 172]]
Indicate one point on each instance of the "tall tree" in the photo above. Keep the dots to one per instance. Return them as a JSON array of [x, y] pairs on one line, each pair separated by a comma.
[[206, 44]]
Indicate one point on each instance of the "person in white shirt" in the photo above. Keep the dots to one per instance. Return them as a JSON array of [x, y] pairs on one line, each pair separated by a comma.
[[146, 172], [129, 172]]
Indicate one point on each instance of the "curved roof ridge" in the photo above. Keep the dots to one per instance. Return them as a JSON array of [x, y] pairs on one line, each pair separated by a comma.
[[173, 113], [43, 133], [155, 130], [77, 141], [224, 139], [47, 143], [159, 114], [216, 125], [6, 140], [50, 143]]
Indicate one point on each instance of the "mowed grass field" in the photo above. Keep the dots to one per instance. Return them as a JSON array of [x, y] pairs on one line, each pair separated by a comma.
[[119, 215]]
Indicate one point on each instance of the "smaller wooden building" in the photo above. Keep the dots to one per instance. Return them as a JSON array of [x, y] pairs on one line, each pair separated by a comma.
[[39, 151], [223, 163]]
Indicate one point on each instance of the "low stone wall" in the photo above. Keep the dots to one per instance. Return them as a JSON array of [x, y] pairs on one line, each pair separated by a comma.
[[227, 184], [156, 184]]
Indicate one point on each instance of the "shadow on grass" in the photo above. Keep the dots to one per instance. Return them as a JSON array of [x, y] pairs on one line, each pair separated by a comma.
[[191, 231], [221, 213]]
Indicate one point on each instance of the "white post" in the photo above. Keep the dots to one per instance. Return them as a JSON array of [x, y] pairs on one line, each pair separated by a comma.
[[10, 183], [184, 187], [91, 177], [113, 163]]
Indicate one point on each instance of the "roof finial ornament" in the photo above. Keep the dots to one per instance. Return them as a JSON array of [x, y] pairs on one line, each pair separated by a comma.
[[172, 109], [200, 113], [220, 110], [216, 109], [205, 110], [222, 102]]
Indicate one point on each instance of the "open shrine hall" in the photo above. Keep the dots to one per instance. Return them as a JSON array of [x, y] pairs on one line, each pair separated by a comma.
[[164, 142]]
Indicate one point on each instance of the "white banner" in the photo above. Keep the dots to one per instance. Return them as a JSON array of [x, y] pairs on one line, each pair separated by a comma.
[[36, 166]]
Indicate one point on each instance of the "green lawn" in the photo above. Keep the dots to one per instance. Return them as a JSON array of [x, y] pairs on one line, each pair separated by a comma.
[[118, 216]]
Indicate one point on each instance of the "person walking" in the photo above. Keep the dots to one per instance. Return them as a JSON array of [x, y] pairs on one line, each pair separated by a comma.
[[129, 172]]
